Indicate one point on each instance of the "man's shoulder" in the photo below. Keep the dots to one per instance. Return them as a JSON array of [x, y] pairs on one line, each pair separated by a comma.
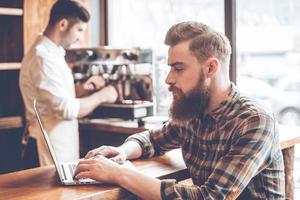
[[248, 107], [41, 50], [41, 47], [37, 50], [251, 118], [241, 107]]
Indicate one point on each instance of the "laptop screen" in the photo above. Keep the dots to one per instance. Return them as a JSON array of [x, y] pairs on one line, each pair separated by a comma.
[[46, 136]]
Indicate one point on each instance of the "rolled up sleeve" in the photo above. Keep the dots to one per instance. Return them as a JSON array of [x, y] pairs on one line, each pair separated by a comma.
[[69, 107], [54, 92], [157, 142], [171, 190], [143, 139]]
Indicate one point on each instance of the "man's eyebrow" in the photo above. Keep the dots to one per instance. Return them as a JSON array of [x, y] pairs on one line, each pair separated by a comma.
[[175, 64]]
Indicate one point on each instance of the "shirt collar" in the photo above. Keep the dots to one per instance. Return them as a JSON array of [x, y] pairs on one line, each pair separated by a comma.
[[52, 47], [227, 105]]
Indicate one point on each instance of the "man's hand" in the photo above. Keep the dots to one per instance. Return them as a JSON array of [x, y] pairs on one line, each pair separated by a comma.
[[109, 94], [115, 154], [98, 168], [105, 170], [97, 165], [94, 83]]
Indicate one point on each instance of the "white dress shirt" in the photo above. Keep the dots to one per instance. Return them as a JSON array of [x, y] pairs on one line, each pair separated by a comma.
[[45, 76]]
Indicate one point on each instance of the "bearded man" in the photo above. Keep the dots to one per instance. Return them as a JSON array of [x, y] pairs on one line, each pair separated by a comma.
[[229, 144]]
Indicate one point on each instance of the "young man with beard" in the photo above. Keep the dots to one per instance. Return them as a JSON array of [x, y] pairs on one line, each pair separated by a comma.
[[229, 144], [45, 76]]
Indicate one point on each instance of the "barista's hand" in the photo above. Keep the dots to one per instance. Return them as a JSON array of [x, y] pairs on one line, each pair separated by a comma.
[[94, 83], [98, 168], [116, 154], [109, 94]]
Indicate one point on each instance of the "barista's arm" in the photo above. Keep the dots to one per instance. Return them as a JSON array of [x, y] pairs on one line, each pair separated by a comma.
[[54, 91], [93, 84], [80, 91], [89, 103]]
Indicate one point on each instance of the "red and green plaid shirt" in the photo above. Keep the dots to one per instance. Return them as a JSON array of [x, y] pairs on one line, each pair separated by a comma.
[[232, 152]]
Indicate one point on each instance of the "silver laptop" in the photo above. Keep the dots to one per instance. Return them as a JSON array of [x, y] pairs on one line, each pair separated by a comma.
[[65, 170]]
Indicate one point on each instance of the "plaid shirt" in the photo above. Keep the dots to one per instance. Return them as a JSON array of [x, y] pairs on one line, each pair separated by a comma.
[[232, 152]]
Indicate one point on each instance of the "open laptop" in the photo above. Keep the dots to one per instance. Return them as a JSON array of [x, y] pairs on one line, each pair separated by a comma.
[[65, 170]]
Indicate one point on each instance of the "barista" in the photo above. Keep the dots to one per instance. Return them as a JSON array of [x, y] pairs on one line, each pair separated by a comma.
[[45, 76]]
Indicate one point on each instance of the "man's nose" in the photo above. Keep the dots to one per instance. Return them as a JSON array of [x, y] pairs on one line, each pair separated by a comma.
[[170, 80]]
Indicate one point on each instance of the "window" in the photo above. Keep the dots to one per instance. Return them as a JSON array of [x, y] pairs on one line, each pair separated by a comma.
[[268, 56], [144, 24]]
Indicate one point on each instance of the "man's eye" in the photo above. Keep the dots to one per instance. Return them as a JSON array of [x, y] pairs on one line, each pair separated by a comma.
[[178, 69]]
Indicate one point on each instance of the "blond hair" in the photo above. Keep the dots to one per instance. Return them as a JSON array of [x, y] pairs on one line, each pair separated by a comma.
[[204, 41]]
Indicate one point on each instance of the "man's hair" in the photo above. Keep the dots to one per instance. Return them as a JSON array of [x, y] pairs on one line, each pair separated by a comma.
[[69, 9], [184, 31], [204, 41]]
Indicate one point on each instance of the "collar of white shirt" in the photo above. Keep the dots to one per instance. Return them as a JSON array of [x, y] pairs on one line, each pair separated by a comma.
[[51, 46]]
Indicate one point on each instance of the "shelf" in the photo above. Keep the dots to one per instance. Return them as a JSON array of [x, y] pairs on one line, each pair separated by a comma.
[[11, 11], [11, 122], [9, 66]]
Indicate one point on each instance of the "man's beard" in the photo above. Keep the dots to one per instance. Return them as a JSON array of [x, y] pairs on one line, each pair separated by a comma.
[[65, 42], [187, 107]]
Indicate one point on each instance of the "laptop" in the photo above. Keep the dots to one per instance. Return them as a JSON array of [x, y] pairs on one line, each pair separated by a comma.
[[65, 170]]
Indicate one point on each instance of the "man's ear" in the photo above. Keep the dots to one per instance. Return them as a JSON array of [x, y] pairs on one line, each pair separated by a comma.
[[63, 24], [212, 67]]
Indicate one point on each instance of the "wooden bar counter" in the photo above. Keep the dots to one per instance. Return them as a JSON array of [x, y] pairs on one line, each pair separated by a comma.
[[43, 182]]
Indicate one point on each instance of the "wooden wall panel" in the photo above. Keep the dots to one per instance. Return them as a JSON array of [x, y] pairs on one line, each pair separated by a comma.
[[86, 36], [36, 16], [11, 43]]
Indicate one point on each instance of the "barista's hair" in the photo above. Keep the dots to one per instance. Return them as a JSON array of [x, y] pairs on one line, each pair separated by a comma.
[[204, 41], [72, 10]]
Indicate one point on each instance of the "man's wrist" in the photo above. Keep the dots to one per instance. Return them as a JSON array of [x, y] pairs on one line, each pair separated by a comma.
[[100, 97], [124, 150], [123, 176]]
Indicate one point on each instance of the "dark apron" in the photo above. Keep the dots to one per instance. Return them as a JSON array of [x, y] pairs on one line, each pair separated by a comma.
[[30, 158]]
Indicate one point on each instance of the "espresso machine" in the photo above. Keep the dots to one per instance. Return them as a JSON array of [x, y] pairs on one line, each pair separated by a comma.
[[127, 69]]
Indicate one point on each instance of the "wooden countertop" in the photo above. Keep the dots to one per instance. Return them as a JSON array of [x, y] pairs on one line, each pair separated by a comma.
[[289, 136], [43, 183]]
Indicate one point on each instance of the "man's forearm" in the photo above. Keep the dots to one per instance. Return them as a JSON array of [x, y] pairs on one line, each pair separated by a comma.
[[144, 186], [132, 149], [80, 91], [89, 103]]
